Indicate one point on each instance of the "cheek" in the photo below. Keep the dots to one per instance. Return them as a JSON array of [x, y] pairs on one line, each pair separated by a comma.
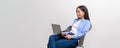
[[82, 13], [77, 13]]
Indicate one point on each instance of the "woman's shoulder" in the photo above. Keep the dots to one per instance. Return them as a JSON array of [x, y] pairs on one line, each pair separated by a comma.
[[84, 20]]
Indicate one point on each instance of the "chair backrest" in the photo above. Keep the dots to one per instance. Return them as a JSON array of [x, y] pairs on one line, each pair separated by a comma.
[[81, 41]]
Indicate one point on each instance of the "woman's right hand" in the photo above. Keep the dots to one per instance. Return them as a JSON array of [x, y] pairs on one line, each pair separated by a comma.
[[63, 33]]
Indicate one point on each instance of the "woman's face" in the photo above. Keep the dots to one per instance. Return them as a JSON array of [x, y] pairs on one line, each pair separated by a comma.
[[80, 13]]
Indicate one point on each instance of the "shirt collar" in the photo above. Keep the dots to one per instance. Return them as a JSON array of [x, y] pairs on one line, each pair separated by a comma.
[[80, 19]]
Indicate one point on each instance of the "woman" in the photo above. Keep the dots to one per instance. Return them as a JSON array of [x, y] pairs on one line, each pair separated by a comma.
[[70, 38]]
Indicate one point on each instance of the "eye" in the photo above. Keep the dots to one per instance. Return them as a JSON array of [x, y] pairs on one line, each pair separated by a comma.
[[78, 11]]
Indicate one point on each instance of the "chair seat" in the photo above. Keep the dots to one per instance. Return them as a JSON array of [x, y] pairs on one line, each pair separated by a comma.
[[80, 47]]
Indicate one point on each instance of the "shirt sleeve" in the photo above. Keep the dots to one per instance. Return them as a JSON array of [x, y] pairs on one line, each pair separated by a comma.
[[82, 31]]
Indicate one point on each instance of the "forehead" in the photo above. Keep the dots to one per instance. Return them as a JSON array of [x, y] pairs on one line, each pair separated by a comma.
[[78, 9]]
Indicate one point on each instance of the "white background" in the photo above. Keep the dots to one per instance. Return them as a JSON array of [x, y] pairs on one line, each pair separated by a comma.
[[27, 23]]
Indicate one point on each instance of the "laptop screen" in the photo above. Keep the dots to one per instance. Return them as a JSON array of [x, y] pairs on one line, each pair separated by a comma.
[[56, 28]]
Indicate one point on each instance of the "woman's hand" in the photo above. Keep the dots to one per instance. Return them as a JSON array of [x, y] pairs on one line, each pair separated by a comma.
[[68, 36], [63, 34]]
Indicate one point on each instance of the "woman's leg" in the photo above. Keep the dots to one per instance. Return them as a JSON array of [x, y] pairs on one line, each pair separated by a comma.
[[53, 39], [66, 43]]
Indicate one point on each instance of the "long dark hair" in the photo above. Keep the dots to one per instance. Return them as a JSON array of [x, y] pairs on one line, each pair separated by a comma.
[[84, 9]]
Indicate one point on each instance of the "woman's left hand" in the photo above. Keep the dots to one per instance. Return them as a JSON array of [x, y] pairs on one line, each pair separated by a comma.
[[68, 36]]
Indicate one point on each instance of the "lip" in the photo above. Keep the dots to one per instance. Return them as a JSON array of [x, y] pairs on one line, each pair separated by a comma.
[[79, 16]]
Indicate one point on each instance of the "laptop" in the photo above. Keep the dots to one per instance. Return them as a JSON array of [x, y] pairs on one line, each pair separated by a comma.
[[56, 28]]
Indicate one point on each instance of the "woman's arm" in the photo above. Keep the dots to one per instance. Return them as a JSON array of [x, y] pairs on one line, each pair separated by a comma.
[[83, 31]]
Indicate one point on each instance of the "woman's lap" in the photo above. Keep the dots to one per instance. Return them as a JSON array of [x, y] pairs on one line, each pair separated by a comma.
[[61, 42], [66, 43]]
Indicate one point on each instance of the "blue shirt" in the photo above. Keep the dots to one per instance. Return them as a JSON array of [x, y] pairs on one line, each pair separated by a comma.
[[82, 28]]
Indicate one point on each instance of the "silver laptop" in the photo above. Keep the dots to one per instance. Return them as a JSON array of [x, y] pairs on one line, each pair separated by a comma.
[[56, 28]]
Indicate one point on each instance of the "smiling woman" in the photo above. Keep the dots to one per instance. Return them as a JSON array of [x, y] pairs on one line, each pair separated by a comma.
[[69, 39]]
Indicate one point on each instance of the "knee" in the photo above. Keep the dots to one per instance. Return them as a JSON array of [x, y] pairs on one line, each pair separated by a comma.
[[51, 36]]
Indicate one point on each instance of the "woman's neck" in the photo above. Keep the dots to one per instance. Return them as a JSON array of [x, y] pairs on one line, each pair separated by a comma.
[[80, 18]]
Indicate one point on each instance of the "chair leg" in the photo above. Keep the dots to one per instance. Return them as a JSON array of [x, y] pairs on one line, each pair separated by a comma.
[[82, 46]]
